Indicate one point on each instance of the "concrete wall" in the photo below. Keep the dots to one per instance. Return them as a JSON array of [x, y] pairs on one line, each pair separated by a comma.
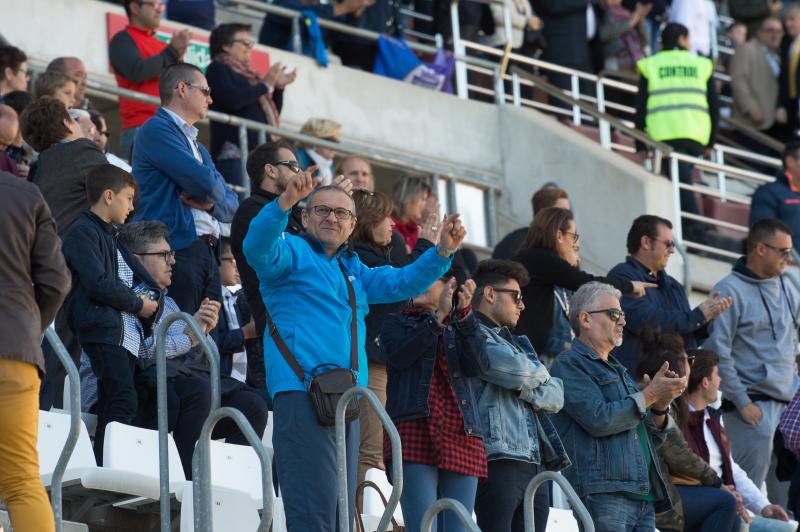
[[524, 146]]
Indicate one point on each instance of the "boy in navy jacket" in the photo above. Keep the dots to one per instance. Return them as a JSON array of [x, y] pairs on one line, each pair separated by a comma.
[[113, 301]]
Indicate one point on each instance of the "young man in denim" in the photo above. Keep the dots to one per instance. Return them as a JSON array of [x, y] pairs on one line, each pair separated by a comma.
[[514, 392], [610, 428]]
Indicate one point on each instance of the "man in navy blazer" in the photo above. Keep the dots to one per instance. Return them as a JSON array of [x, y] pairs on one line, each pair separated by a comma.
[[179, 185]]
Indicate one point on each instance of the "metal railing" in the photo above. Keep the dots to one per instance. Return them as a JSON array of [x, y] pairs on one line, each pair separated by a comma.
[[455, 507], [577, 506], [341, 458], [74, 424]]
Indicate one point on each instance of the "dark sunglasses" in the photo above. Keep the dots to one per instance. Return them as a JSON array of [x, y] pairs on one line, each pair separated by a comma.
[[516, 294], [294, 166], [614, 314], [205, 90]]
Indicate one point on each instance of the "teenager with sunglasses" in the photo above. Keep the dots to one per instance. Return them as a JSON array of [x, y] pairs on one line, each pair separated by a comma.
[[550, 254]]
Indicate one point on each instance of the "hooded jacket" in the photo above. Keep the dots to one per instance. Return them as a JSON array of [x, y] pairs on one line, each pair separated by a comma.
[[756, 339]]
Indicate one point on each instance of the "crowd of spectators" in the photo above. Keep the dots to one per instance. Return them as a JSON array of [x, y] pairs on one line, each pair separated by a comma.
[[491, 371]]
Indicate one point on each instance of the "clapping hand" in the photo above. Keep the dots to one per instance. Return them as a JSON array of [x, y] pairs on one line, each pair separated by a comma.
[[715, 305], [343, 183], [452, 233], [465, 294], [665, 386], [298, 187], [446, 300]]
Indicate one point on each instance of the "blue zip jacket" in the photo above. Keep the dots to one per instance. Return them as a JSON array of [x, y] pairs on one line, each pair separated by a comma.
[[777, 200], [598, 427], [307, 298], [164, 166], [665, 308], [515, 392]]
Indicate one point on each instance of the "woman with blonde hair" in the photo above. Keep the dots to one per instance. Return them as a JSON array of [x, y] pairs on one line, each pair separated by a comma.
[[308, 154]]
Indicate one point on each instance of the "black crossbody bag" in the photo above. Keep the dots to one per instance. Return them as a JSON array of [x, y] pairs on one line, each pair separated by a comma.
[[327, 386]]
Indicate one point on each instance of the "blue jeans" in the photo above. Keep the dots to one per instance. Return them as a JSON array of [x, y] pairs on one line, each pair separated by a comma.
[[424, 484], [614, 512], [305, 457], [126, 138], [708, 509]]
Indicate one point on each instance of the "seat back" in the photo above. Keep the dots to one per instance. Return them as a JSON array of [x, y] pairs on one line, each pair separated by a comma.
[[372, 501], [53, 432], [231, 510], [236, 467], [133, 449]]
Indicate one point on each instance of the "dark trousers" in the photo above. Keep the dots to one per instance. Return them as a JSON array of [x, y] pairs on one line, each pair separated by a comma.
[[195, 276], [708, 509], [116, 393], [51, 392], [499, 501], [305, 456], [356, 55]]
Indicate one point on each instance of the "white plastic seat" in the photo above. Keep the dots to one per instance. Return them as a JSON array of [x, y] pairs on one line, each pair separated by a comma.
[[231, 510], [561, 520], [236, 467], [373, 506]]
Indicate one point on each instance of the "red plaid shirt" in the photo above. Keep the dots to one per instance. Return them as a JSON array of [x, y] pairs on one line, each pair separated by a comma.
[[440, 439]]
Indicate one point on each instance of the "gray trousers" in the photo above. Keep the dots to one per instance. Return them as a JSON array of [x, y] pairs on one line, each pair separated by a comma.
[[752, 446]]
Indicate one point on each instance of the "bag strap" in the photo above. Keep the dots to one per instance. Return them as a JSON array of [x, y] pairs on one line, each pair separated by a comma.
[[287, 354], [360, 500]]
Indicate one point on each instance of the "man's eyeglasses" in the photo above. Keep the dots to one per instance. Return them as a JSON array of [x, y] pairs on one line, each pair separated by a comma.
[[669, 244], [168, 256], [323, 211], [515, 294], [784, 252], [614, 314], [205, 90], [294, 166], [246, 42]]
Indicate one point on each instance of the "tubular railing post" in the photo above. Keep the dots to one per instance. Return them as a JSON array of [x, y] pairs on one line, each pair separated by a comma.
[[161, 378], [297, 40], [455, 507], [74, 424], [341, 458], [244, 148], [499, 88], [577, 506], [490, 207], [605, 127], [262, 137], [722, 181], [452, 200], [687, 278], [516, 94], [674, 173], [575, 84], [459, 50], [201, 470]]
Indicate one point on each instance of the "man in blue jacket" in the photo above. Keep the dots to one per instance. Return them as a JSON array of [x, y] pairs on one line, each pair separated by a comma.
[[305, 292], [180, 186], [666, 307], [781, 199]]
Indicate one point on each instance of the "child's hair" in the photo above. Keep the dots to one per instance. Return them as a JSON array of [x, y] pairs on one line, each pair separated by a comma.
[[107, 177], [49, 82]]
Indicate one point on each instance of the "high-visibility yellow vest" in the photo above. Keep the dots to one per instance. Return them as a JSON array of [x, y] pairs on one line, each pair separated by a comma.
[[677, 105]]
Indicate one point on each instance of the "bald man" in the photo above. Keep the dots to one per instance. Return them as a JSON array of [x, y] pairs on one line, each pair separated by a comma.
[[9, 131]]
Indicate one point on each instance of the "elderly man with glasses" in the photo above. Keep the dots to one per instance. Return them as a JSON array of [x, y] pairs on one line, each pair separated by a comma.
[[757, 342], [316, 293], [610, 428], [650, 245]]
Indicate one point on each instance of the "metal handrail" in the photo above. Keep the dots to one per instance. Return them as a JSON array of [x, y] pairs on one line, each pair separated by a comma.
[[455, 507], [201, 470], [341, 458], [212, 355], [755, 177], [74, 424], [566, 487]]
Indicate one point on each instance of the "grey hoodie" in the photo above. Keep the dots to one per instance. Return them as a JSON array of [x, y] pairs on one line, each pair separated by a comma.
[[756, 338]]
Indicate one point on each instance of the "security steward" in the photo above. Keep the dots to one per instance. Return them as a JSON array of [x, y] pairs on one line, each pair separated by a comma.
[[678, 105]]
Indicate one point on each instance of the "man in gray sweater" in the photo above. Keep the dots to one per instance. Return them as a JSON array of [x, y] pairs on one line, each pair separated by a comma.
[[756, 341]]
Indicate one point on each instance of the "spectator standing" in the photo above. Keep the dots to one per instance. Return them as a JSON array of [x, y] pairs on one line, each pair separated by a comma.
[[240, 91], [754, 70], [547, 196], [198, 13], [102, 138], [289, 270], [550, 255], [753, 12], [76, 70], [410, 195], [522, 19], [781, 198], [180, 186], [56, 85], [664, 305], [372, 241], [321, 158], [708, 437], [611, 430], [701, 20], [790, 74], [432, 349], [236, 327], [359, 171], [624, 36], [682, 111], [33, 269], [138, 58], [111, 290], [270, 166], [756, 341], [14, 75], [513, 390], [380, 16]]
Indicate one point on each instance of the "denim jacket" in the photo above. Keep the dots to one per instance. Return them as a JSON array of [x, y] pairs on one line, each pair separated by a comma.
[[410, 343], [598, 426], [515, 392]]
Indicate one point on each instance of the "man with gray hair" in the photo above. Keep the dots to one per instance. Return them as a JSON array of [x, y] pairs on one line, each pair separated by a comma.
[[609, 427]]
